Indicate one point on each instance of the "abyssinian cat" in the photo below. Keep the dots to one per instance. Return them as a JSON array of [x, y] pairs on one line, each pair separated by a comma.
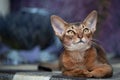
[[82, 56]]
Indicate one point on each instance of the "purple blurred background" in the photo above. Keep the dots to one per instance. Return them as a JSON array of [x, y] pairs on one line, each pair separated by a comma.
[[108, 27]]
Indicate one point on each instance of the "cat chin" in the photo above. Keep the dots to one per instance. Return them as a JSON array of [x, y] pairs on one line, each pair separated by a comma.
[[79, 47]]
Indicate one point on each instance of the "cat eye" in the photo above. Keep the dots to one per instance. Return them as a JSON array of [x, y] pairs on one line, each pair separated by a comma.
[[86, 30], [70, 32]]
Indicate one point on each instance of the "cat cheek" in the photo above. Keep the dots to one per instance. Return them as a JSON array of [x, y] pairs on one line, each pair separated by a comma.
[[86, 40], [67, 43], [89, 36]]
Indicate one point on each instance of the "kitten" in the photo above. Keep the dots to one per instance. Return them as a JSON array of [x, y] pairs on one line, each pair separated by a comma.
[[82, 57]]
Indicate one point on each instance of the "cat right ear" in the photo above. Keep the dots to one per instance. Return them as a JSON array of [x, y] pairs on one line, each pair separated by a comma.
[[58, 25], [91, 21]]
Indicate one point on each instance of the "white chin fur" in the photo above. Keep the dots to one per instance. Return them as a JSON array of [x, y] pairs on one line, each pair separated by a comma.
[[80, 46]]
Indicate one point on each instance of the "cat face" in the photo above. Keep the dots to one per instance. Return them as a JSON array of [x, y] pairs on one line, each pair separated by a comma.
[[75, 36]]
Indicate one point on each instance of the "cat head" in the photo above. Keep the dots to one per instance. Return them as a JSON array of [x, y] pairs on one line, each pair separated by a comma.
[[75, 36]]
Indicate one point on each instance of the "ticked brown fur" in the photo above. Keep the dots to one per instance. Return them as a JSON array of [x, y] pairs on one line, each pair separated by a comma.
[[82, 56]]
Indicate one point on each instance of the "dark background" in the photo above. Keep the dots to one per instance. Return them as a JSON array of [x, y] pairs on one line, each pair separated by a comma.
[[27, 25]]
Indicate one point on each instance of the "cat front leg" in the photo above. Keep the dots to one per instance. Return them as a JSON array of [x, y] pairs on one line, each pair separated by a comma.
[[87, 74], [72, 73], [77, 73], [101, 71]]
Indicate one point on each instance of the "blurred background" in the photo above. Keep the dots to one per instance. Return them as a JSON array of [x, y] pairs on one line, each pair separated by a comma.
[[26, 35]]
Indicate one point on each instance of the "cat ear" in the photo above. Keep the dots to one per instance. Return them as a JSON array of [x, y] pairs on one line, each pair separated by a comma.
[[58, 25], [91, 20]]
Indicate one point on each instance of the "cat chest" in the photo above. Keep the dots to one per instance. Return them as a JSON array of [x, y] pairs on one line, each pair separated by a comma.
[[76, 60], [77, 57], [73, 60]]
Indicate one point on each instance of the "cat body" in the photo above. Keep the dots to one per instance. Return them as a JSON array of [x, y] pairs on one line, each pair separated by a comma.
[[82, 56]]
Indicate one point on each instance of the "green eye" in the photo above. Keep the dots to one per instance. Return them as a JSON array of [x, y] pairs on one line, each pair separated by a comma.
[[71, 32], [86, 30]]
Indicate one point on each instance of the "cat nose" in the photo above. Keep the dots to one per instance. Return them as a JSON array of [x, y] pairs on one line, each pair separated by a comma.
[[80, 36]]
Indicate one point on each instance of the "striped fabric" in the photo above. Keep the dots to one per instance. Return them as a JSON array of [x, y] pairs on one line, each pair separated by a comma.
[[46, 76]]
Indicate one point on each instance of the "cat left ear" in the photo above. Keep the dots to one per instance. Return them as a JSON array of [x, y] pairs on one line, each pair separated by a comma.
[[58, 25], [91, 21]]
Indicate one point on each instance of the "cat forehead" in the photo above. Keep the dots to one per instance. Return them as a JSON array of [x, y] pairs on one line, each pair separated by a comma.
[[74, 27], [77, 24], [77, 27]]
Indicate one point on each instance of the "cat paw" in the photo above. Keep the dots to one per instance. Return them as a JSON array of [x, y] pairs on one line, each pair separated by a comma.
[[67, 74], [88, 74]]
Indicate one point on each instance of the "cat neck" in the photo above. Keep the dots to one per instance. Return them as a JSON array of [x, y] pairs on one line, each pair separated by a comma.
[[77, 55], [81, 50]]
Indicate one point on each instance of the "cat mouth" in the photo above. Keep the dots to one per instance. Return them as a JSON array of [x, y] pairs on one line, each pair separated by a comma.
[[80, 41]]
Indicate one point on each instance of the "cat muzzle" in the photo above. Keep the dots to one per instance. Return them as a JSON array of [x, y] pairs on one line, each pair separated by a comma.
[[80, 41]]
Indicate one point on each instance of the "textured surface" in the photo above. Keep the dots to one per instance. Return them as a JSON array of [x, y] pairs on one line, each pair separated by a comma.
[[30, 72], [38, 75]]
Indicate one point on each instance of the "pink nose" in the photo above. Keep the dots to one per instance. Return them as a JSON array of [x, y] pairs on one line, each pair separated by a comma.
[[80, 36]]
